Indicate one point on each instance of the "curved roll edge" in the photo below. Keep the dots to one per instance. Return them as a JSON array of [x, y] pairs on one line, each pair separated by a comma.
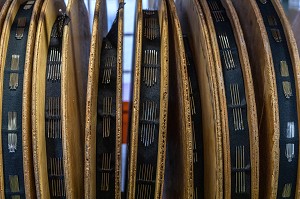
[[179, 119], [197, 31], [99, 30], [4, 6], [75, 52], [30, 188], [164, 100]]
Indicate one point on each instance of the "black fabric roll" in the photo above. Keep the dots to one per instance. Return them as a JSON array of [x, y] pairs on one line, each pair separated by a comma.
[[287, 105], [53, 122], [12, 102], [236, 102]]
